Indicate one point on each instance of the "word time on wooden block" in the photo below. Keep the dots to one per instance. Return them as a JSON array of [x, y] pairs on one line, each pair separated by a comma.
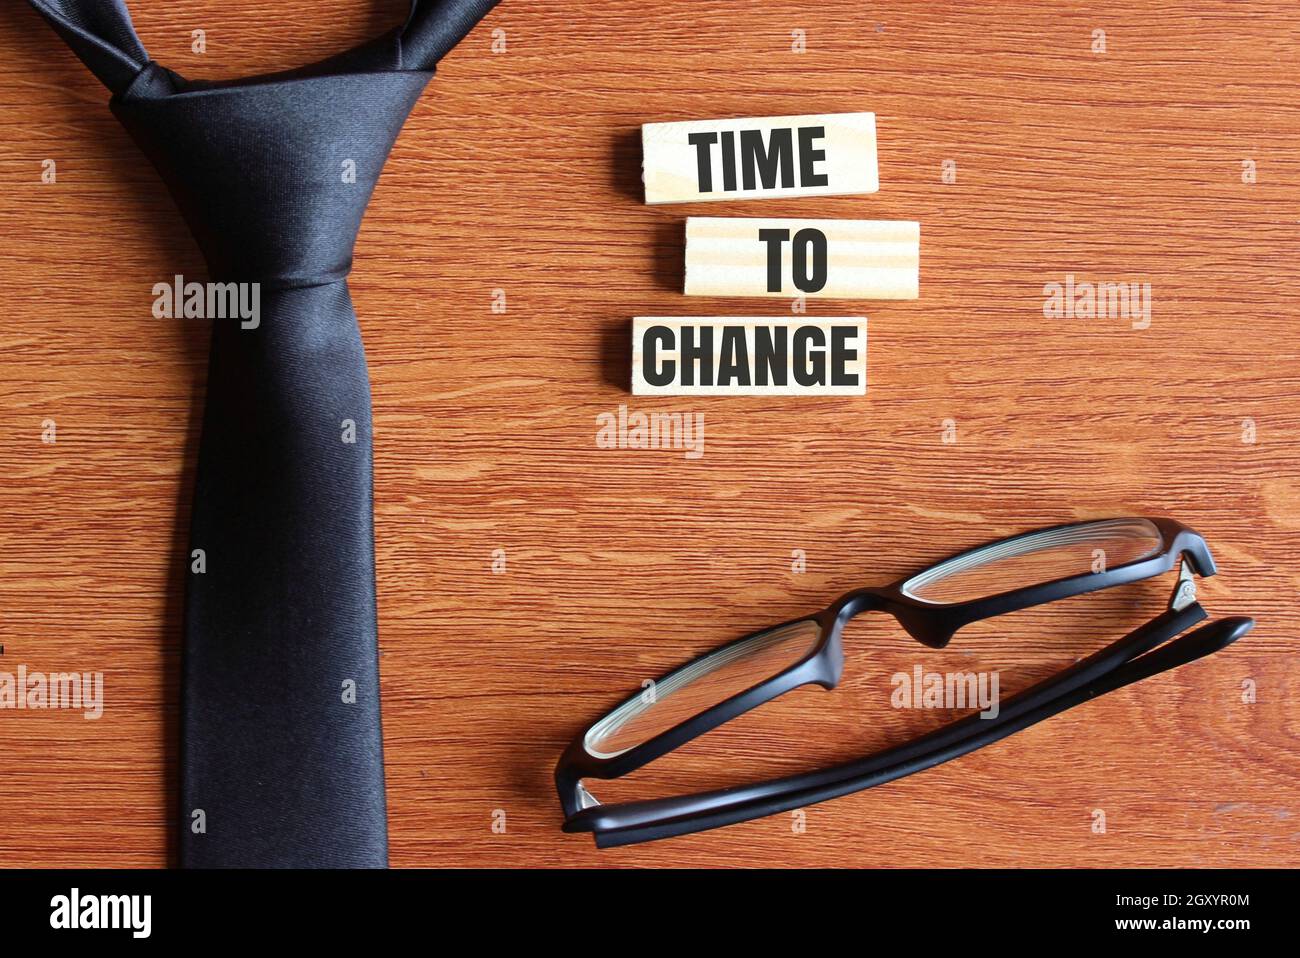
[[827, 259], [749, 356], [829, 155]]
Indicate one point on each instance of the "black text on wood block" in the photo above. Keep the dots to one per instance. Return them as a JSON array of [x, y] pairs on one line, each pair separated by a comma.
[[828, 155], [827, 259], [749, 356]]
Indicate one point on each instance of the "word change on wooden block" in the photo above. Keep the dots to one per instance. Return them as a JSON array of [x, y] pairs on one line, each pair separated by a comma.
[[748, 356], [828, 259], [829, 155]]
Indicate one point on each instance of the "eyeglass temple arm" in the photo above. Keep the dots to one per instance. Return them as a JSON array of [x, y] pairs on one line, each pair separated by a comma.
[[1118, 665]]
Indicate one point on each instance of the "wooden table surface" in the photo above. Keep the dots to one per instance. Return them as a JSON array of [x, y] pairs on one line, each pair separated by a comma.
[[1172, 158]]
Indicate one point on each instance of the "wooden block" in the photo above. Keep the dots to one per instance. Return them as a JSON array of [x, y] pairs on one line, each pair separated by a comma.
[[749, 356], [785, 258], [828, 155]]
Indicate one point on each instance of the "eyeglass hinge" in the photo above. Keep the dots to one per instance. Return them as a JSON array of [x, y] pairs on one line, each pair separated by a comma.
[[1185, 591]]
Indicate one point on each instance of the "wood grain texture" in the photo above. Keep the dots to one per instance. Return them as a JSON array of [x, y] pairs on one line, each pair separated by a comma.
[[519, 172]]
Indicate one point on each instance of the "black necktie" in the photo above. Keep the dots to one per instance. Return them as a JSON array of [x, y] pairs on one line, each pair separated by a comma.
[[281, 752]]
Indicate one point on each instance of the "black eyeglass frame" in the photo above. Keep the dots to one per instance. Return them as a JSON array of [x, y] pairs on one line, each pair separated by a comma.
[[931, 624]]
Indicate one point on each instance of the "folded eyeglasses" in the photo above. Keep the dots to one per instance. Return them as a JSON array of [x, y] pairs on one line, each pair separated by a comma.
[[1005, 576]]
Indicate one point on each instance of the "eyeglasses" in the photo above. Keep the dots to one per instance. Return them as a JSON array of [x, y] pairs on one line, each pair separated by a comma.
[[995, 579]]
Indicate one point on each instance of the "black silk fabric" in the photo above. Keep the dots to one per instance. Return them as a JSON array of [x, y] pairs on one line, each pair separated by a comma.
[[281, 752]]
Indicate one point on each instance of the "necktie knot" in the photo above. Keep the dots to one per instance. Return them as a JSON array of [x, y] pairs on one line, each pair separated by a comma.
[[272, 173], [272, 176]]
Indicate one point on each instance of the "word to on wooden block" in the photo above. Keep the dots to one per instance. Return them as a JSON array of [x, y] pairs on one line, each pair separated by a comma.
[[828, 259], [828, 155], [748, 356]]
